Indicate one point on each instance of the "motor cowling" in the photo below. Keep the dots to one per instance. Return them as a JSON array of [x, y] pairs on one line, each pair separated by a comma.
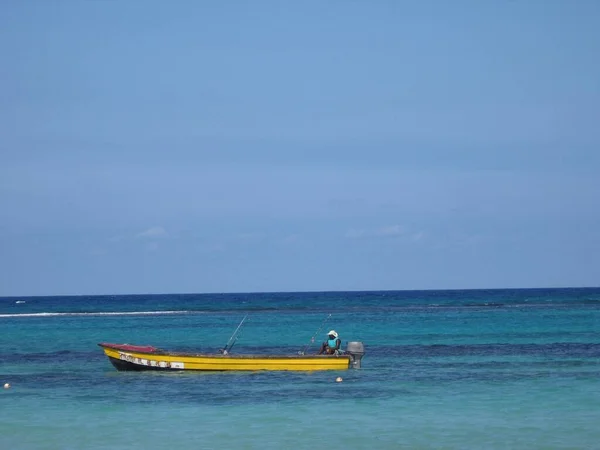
[[356, 350]]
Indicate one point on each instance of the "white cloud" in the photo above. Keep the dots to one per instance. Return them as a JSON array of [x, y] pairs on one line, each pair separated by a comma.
[[418, 236], [354, 234], [382, 232], [249, 236], [152, 233], [392, 230], [292, 238], [152, 247]]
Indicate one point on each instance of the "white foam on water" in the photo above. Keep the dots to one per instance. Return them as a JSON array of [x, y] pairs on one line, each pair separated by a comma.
[[111, 313]]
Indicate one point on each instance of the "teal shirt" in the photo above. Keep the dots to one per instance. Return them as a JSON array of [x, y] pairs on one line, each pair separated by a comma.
[[332, 343]]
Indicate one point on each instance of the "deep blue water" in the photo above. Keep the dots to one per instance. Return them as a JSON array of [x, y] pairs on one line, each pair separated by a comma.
[[443, 369]]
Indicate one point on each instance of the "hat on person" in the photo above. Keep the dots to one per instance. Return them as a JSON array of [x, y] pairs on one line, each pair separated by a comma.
[[332, 333]]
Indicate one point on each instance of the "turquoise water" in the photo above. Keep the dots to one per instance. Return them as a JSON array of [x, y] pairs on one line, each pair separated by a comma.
[[443, 369]]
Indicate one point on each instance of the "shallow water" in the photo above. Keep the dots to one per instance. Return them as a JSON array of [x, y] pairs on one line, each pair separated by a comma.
[[444, 369]]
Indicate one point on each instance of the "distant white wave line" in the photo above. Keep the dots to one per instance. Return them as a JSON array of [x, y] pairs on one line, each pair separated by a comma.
[[113, 313]]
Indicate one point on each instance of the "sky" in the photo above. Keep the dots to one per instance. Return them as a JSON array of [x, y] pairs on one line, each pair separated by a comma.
[[190, 147]]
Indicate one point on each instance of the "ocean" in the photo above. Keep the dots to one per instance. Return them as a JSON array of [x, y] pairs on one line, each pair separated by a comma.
[[467, 369]]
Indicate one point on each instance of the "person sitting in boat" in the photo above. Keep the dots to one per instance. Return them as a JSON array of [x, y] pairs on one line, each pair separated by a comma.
[[332, 346]]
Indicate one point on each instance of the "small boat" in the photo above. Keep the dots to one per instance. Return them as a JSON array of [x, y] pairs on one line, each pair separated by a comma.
[[135, 357]]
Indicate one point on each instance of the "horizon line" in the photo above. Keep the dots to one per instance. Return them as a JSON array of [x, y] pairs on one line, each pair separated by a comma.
[[332, 291]]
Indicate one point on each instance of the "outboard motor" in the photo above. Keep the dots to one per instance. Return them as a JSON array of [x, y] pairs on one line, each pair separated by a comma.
[[356, 350]]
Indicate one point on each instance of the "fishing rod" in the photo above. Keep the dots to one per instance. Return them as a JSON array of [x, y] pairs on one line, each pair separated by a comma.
[[312, 339], [232, 340]]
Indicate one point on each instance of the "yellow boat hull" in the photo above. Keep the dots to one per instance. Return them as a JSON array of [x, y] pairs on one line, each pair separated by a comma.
[[128, 357]]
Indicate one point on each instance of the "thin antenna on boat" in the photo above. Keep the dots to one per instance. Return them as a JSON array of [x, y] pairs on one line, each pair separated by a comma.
[[312, 339], [233, 338]]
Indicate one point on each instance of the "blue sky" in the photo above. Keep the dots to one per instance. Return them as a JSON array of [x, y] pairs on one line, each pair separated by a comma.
[[157, 147]]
